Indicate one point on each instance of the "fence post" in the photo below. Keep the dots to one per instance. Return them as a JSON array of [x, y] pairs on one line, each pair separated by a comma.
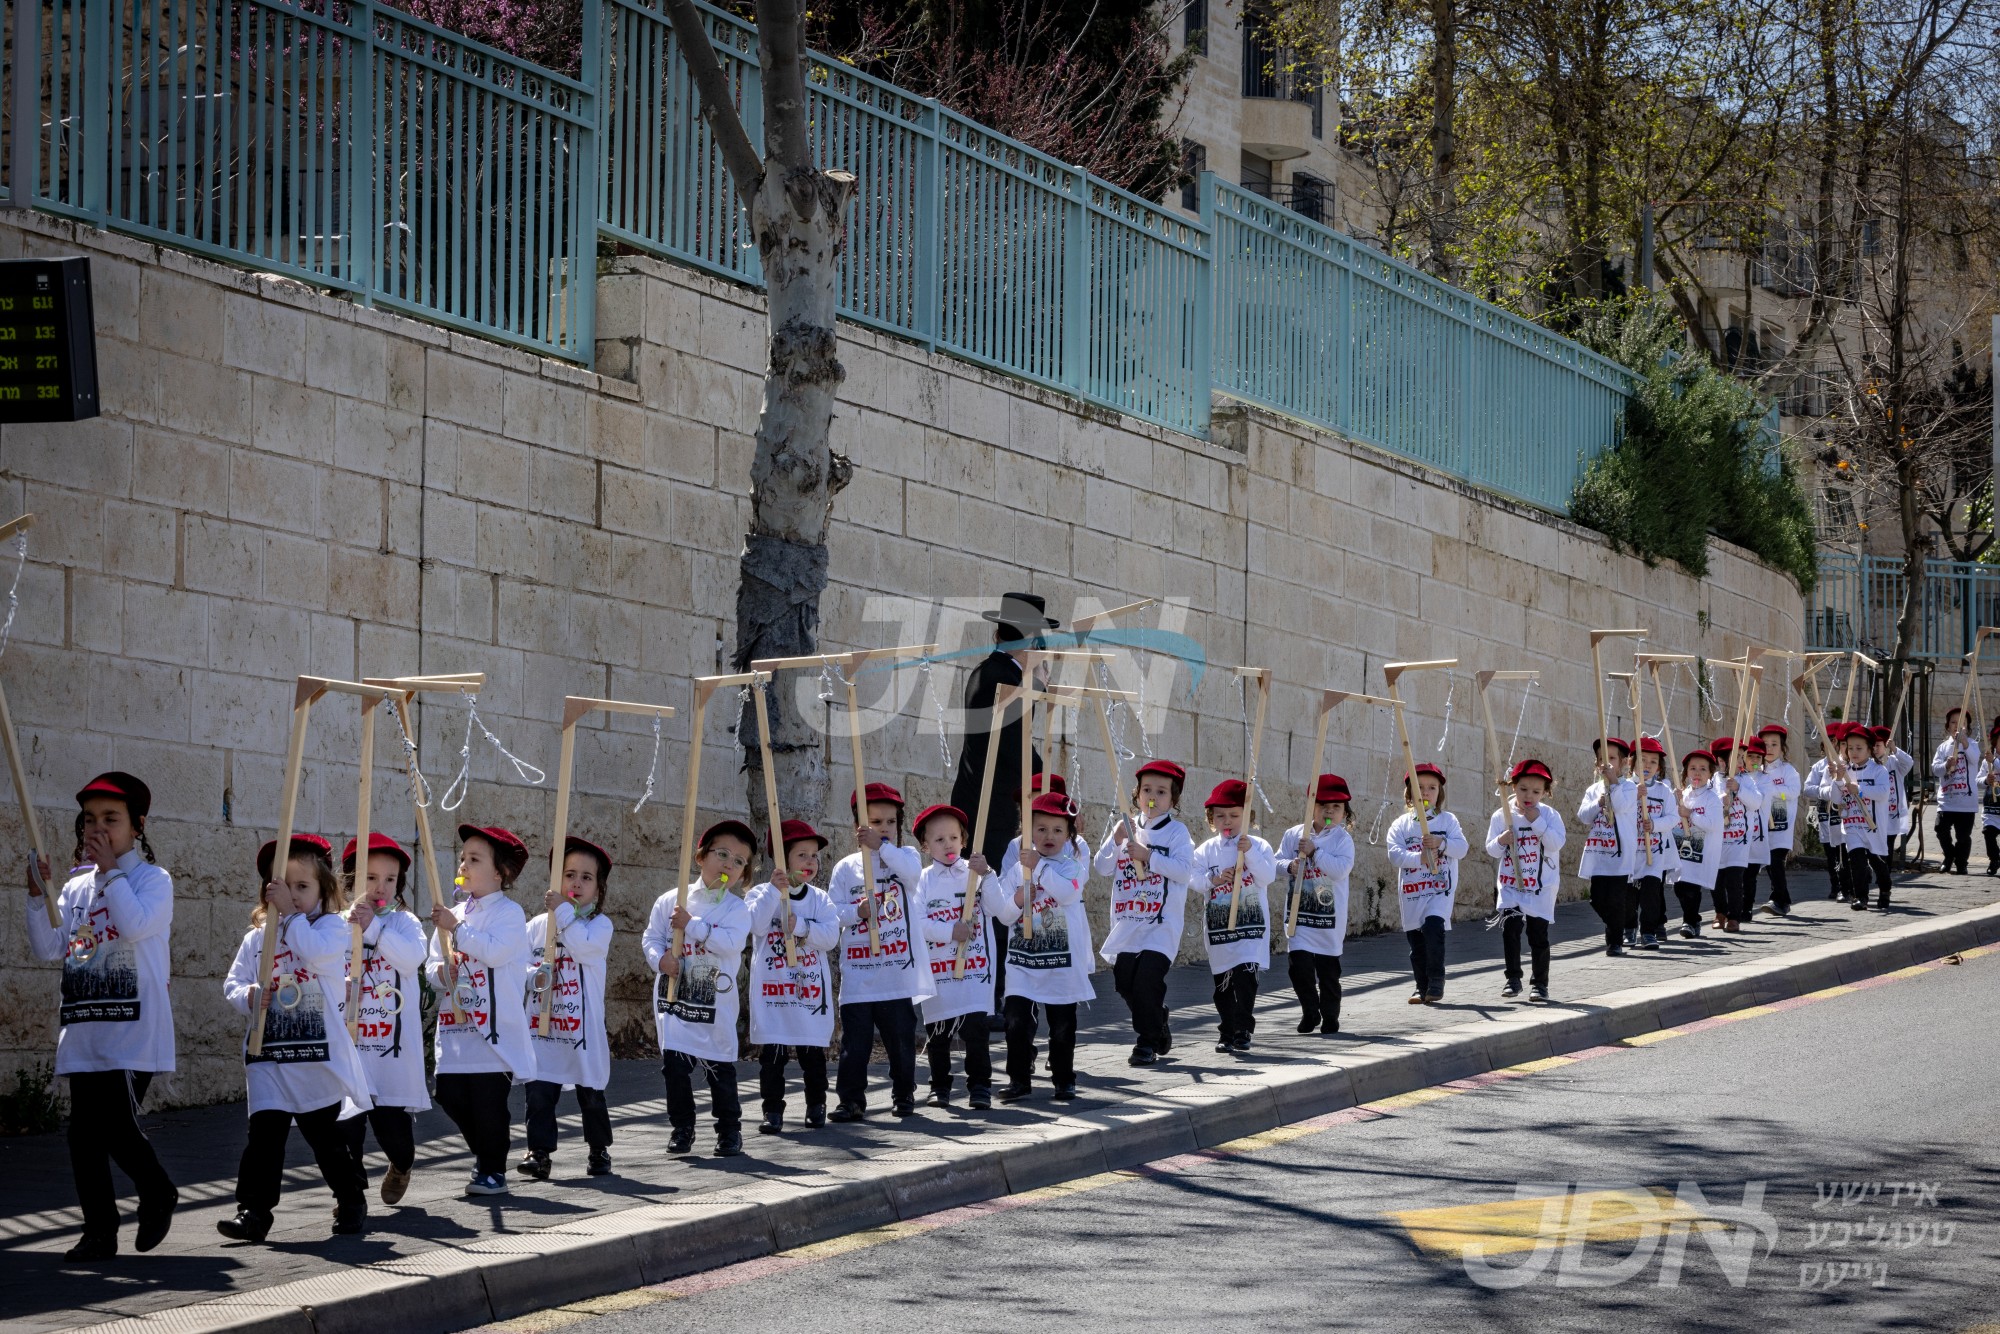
[[585, 191], [25, 109], [93, 141], [1201, 338], [363, 184], [1076, 286], [926, 301]]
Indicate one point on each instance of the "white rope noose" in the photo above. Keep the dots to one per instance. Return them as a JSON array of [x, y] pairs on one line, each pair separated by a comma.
[[462, 784]]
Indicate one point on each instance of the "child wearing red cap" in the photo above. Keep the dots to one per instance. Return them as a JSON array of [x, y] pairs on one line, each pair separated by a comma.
[[1054, 783], [1697, 838], [1865, 794], [574, 1052], [1783, 792], [114, 916], [389, 1032], [1741, 800], [307, 1070], [1149, 856], [964, 1003], [1954, 766], [879, 989], [1989, 801], [1899, 764], [1236, 953], [1051, 968], [1426, 852], [791, 1000], [1821, 786], [1658, 816], [1318, 879], [697, 1028], [483, 1045], [1525, 839], [1611, 840], [1759, 847]]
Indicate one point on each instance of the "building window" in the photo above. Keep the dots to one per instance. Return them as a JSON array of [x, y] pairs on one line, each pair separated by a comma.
[[1312, 198], [1194, 27], [1194, 161]]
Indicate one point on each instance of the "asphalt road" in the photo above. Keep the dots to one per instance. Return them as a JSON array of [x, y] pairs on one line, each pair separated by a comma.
[[1811, 1123]]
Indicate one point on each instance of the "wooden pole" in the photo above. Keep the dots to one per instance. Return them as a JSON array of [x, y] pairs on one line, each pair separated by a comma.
[[1312, 808], [861, 815], [1263, 678], [773, 819], [1493, 761], [565, 773], [1027, 801], [1391, 673], [704, 687], [34, 826], [969, 910], [1809, 689], [304, 693], [358, 881]]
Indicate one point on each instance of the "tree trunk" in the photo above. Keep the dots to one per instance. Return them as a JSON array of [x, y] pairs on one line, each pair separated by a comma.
[[1444, 134]]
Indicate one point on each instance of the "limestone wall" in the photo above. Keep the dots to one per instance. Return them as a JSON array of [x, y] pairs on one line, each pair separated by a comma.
[[284, 483]]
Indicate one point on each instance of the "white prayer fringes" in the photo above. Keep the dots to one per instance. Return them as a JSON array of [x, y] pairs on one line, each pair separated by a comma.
[[462, 784], [14, 589], [652, 769]]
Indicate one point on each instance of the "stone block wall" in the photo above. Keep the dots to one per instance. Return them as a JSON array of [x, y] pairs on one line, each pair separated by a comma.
[[282, 483]]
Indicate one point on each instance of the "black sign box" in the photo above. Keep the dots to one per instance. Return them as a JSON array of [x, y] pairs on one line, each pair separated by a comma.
[[48, 342]]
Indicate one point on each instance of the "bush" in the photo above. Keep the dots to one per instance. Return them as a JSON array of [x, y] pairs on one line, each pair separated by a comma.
[[1693, 460], [32, 1108]]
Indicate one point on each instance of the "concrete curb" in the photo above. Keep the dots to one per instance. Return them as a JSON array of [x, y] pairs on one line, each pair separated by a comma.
[[500, 1277]]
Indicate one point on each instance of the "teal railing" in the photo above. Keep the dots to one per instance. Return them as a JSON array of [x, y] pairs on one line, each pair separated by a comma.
[[1858, 601], [345, 143]]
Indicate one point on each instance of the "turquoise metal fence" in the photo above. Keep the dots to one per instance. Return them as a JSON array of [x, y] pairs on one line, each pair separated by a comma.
[[1316, 325], [1858, 601], [347, 144], [336, 141]]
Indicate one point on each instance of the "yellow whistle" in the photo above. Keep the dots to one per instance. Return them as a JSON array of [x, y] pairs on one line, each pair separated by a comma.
[[458, 880], [722, 879]]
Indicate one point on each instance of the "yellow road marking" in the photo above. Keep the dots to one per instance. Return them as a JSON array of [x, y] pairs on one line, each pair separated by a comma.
[[1545, 1063], [1648, 1039], [1503, 1226]]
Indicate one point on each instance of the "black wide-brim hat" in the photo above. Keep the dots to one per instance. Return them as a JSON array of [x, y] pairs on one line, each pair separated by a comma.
[[1023, 612]]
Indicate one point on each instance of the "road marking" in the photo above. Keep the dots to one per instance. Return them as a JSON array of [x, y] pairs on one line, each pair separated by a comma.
[[1498, 1227]]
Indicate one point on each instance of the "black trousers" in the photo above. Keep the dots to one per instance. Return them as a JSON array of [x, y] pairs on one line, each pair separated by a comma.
[[104, 1129], [1781, 887], [1141, 979], [771, 1075], [1021, 1027], [1649, 900], [1427, 956], [477, 1105], [1537, 931], [896, 1021], [1608, 894], [263, 1163], [1316, 982], [1954, 831], [1236, 1001], [1877, 865], [1690, 901], [1749, 888], [544, 1094], [677, 1068], [1728, 893], [395, 1131], [1992, 848], [976, 1034]]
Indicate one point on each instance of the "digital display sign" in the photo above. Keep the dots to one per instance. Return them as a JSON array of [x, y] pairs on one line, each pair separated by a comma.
[[48, 342]]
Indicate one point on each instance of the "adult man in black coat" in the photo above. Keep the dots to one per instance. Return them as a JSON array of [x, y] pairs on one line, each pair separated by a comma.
[[1018, 626]]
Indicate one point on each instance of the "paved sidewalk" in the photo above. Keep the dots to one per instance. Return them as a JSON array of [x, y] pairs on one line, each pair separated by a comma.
[[38, 1218]]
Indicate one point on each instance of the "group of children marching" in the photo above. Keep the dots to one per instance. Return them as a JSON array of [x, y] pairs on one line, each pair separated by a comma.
[[924, 929]]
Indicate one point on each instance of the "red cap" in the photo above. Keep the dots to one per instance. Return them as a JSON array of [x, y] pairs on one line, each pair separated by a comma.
[[1531, 769], [571, 843], [1165, 768], [1779, 728], [138, 798], [1057, 784], [1722, 745], [1878, 733], [1618, 741], [1331, 787], [377, 842], [942, 808], [1432, 770], [876, 792], [307, 843], [1708, 755], [798, 831], [1229, 792], [734, 828], [1055, 803], [508, 849], [1752, 746], [1650, 745]]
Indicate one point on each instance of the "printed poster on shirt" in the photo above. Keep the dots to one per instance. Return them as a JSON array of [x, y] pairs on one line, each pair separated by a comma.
[[1990, 799], [978, 952], [1691, 844], [1137, 898], [1957, 776], [1603, 836], [1050, 946], [892, 928], [104, 987], [475, 997], [694, 999], [1526, 860], [1735, 822], [1656, 815], [1316, 897], [1778, 813], [379, 1029], [299, 1033], [1249, 913], [800, 990], [566, 1011]]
